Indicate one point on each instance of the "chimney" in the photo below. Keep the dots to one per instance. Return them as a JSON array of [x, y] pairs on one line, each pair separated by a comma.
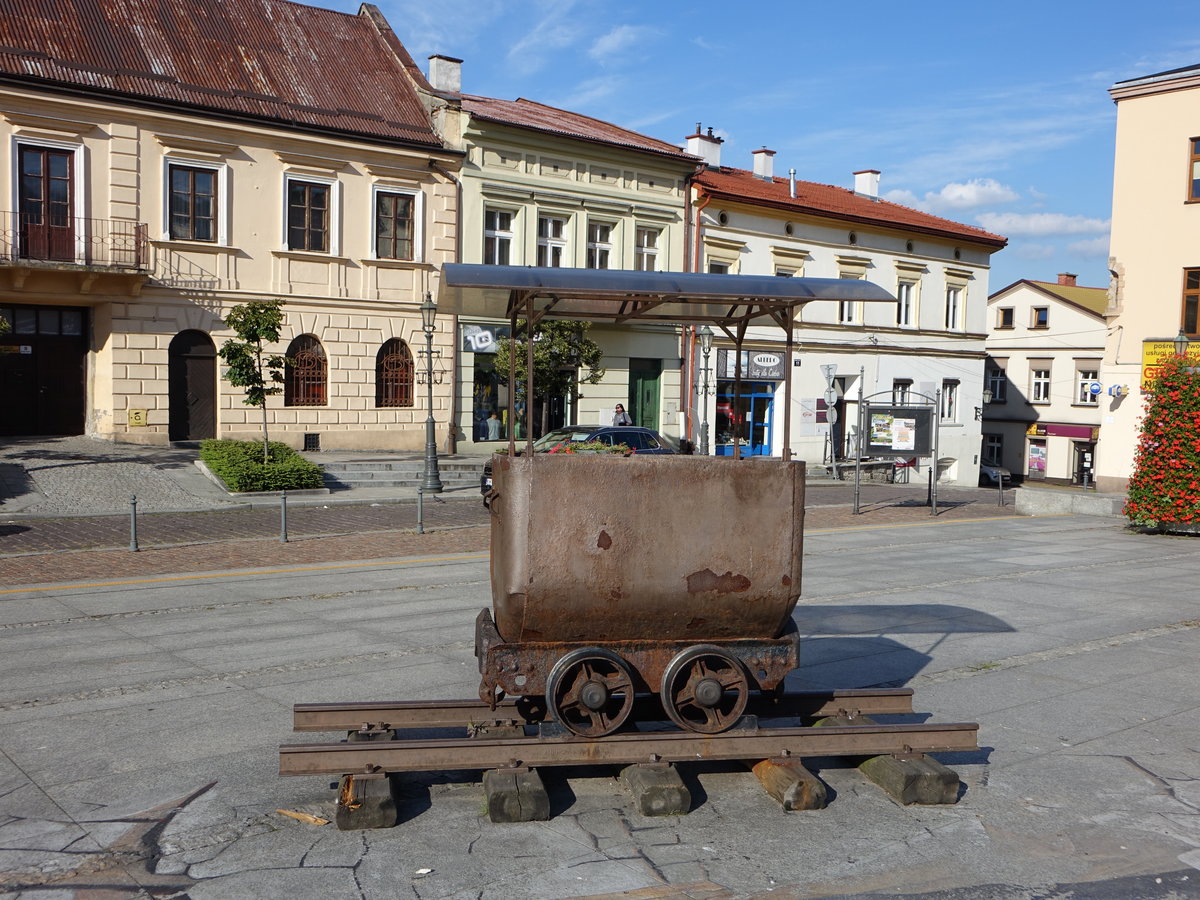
[[764, 164], [445, 74], [706, 146], [792, 183], [866, 183], [1066, 278]]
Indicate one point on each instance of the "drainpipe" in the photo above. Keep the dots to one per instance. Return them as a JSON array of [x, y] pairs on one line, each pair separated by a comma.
[[452, 430]]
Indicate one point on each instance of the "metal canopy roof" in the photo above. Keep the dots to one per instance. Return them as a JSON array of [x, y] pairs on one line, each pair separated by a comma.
[[622, 296]]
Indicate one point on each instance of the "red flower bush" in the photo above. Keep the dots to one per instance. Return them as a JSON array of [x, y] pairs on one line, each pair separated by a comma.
[[1166, 466]]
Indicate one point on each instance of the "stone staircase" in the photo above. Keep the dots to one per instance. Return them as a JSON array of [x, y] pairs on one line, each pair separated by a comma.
[[462, 471]]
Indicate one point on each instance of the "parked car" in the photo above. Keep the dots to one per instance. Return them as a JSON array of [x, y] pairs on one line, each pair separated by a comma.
[[990, 474], [638, 440]]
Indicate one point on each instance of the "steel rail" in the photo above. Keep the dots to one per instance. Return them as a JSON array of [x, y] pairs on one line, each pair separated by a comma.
[[491, 753], [406, 714]]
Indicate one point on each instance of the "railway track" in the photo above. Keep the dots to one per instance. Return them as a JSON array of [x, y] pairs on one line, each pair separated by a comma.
[[515, 739]]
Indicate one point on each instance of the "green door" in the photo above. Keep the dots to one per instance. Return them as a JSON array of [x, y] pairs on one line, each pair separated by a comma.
[[645, 376]]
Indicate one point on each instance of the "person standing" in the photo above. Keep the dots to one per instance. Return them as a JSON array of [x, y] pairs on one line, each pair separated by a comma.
[[493, 427], [620, 417]]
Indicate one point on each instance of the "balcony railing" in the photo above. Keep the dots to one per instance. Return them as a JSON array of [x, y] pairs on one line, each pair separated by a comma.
[[51, 241]]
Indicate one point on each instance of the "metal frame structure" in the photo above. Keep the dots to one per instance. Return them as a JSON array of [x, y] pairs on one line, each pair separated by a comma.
[[732, 303], [864, 406]]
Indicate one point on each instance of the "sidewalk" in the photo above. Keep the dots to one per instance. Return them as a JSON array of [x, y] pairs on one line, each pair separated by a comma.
[[73, 494]]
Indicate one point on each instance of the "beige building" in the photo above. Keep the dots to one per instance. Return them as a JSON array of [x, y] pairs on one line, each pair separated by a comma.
[[144, 195], [543, 186], [929, 344], [1154, 251], [1045, 344]]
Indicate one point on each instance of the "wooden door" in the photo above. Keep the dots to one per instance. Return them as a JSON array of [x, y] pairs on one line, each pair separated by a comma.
[[46, 203], [192, 387]]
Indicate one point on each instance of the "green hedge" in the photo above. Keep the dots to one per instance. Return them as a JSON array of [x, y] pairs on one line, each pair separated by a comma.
[[239, 464]]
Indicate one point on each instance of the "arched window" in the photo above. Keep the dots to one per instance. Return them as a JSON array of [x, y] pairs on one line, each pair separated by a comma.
[[394, 374], [305, 373]]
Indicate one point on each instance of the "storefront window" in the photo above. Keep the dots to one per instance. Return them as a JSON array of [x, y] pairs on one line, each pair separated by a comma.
[[490, 407], [748, 418]]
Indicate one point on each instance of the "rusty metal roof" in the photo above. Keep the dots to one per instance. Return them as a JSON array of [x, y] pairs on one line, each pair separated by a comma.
[[285, 63], [524, 113]]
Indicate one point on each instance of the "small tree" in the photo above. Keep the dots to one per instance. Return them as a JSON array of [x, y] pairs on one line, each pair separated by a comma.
[[250, 365], [560, 351], [1164, 489]]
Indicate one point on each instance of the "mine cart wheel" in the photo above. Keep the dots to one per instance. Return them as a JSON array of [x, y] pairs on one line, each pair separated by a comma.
[[590, 691], [705, 689]]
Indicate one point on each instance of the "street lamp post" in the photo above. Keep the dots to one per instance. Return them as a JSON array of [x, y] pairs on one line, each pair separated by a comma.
[[432, 482], [706, 339]]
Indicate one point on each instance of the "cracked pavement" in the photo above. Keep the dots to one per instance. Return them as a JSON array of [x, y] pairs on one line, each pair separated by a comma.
[[139, 724]]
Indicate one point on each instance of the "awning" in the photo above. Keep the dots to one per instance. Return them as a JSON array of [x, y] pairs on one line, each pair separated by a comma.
[[621, 296]]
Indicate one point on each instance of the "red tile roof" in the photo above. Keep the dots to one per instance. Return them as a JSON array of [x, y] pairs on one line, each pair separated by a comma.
[[524, 113], [286, 63], [836, 202]]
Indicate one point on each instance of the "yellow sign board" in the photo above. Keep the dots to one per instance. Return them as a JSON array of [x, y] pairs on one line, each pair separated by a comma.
[[137, 418], [1153, 353]]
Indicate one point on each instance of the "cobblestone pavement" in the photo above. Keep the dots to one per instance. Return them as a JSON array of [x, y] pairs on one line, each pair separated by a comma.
[[56, 550]]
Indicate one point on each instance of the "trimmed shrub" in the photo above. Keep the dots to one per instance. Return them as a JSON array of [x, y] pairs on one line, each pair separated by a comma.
[[239, 464]]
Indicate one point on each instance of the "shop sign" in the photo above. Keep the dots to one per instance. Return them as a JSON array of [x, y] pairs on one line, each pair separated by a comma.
[[26, 349], [483, 338], [1051, 429], [1154, 351], [757, 365]]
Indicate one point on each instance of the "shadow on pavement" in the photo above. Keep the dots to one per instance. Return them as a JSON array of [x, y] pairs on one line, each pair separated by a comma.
[[909, 618]]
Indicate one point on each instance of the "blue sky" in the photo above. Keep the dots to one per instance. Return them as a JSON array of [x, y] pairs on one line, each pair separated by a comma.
[[996, 115]]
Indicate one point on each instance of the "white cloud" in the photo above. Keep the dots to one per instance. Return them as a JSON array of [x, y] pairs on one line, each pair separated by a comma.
[[1096, 247], [587, 92], [1035, 251], [957, 196], [1040, 224], [619, 40], [528, 54]]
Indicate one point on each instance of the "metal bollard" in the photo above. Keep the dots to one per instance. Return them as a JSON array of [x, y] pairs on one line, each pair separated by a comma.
[[1000, 492], [283, 537], [133, 544], [420, 509]]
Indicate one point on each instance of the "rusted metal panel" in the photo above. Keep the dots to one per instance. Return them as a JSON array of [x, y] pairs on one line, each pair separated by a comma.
[[622, 748], [594, 548], [294, 64]]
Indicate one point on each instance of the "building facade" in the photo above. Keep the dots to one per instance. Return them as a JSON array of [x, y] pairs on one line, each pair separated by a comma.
[[543, 186], [146, 195], [926, 348], [1045, 348], [1155, 289]]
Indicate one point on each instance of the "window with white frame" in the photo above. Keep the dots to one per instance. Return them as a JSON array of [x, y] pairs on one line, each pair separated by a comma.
[[310, 214], [552, 241], [1084, 394], [193, 202], [397, 224], [953, 318], [645, 249], [905, 304], [901, 391], [950, 400], [718, 268], [993, 449], [1039, 383], [848, 312], [996, 381], [497, 237], [599, 245]]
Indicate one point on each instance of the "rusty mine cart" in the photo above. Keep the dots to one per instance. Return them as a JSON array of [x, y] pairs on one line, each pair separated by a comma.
[[626, 591]]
